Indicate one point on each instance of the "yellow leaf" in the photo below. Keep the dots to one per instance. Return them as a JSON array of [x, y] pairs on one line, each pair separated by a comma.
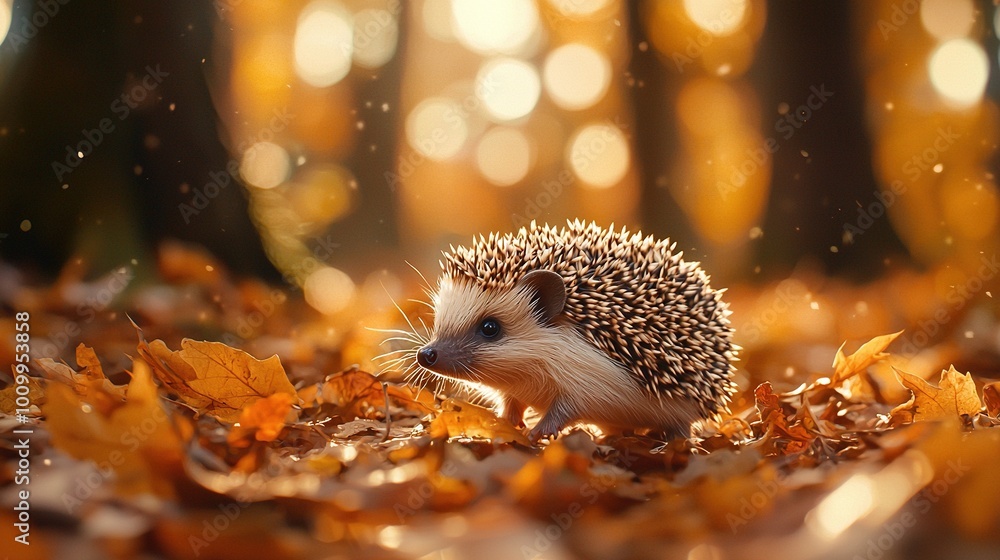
[[955, 396], [870, 352], [136, 441], [35, 396], [459, 418], [214, 378], [90, 382]]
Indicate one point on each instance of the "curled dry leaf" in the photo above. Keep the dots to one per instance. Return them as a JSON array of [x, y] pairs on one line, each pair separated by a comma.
[[214, 378], [991, 398], [89, 382], [870, 352], [956, 395]]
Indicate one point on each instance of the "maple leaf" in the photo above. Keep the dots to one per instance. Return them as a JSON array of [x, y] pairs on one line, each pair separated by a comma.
[[869, 353], [135, 440], [956, 395], [458, 418], [214, 378]]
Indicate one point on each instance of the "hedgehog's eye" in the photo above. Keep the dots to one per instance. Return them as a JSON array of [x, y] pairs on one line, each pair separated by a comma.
[[489, 328]]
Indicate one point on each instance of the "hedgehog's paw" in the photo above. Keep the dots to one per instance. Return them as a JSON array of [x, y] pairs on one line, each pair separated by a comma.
[[555, 419]]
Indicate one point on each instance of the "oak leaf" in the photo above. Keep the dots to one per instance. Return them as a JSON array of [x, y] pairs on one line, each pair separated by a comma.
[[956, 395], [214, 378]]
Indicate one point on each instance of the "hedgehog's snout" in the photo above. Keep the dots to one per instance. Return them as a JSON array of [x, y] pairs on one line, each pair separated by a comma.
[[427, 356]]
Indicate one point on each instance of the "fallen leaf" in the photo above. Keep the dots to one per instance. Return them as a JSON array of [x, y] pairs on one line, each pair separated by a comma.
[[90, 382], [35, 397], [956, 395], [214, 378], [135, 441], [991, 398], [869, 353], [458, 418], [264, 419]]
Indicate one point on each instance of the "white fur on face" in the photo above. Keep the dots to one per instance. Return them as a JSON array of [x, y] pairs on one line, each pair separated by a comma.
[[535, 363]]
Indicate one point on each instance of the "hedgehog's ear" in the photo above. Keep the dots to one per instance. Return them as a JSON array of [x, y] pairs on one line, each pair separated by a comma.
[[548, 292]]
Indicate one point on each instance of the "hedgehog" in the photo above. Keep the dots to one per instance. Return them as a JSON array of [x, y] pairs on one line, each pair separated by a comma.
[[583, 324]]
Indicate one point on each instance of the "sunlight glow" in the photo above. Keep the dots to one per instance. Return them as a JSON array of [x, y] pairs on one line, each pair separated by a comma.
[[328, 290], [947, 19], [843, 507], [599, 155], [323, 43], [576, 76], [510, 88], [437, 128], [958, 71], [5, 18], [504, 156], [265, 165], [491, 27], [718, 17], [375, 35]]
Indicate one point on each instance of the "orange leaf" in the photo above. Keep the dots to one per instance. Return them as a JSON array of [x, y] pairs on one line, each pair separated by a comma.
[[956, 395], [991, 397], [265, 418], [89, 382], [215, 378], [135, 440], [458, 418], [870, 352]]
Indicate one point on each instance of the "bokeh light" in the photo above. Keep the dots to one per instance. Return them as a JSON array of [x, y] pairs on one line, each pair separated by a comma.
[[504, 156], [5, 18], [437, 20], [376, 33], [437, 128], [718, 17], [576, 76], [323, 193], [265, 165], [578, 8], [947, 19], [323, 43], [599, 155], [490, 27], [328, 290], [509, 88], [958, 71]]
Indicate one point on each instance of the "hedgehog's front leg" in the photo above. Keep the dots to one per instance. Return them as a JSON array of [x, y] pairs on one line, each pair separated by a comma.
[[558, 416], [513, 411]]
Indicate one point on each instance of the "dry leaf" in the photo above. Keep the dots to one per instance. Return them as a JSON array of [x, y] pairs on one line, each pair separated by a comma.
[[90, 382], [136, 441], [265, 418], [991, 398], [35, 396], [870, 352], [458, 418], [214, 378], [955, 396]]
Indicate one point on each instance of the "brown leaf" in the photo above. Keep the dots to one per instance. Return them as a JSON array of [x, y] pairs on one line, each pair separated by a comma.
[[35, 396], [870, 352], [458, 418], [214, 378], [89, 382], [956, 395], [991, 397]]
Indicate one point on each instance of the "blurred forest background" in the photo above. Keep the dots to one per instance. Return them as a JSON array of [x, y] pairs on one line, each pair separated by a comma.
[[357, 133]]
